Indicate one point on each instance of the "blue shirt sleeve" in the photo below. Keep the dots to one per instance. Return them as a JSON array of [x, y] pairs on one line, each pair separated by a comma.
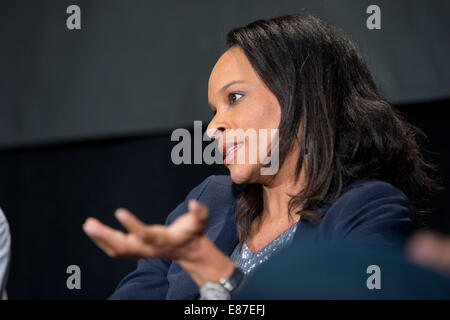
[[149, 280]]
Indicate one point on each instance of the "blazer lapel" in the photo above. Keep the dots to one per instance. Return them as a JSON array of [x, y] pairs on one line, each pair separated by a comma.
[[224, 233]]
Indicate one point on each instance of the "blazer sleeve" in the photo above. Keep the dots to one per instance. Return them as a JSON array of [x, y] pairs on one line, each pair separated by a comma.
[[149, 280], [373, 212]]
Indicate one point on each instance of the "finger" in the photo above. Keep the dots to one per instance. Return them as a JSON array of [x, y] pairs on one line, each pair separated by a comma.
[[190, 223], [200, 210], [94, 229], [130, 222], [103, 246], [156, 235], [150, 234], [113, 242], [127, 248]]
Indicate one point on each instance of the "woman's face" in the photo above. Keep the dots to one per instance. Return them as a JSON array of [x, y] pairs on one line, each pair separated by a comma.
[[240, 100]]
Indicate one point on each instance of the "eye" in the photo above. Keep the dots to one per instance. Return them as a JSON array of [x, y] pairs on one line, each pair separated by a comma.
[[234, 97]]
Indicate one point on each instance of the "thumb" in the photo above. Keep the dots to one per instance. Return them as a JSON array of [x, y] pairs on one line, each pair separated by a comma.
[[198, 209]]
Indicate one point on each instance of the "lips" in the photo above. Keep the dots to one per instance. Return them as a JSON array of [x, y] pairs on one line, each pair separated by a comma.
[[229, 149]]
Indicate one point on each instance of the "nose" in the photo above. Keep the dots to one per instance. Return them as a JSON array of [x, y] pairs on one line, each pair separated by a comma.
[[215, 128]]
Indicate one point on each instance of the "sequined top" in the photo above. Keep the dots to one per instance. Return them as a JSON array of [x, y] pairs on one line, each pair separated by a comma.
[[248, 261]]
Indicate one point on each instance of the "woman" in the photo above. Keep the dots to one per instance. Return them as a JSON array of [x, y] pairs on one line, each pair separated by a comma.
[[344, 155]]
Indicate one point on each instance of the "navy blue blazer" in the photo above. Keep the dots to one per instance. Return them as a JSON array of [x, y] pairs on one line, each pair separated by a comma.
[[368, 210]]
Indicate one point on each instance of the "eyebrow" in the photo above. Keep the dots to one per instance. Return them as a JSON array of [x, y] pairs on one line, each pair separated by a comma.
[[230, 84]]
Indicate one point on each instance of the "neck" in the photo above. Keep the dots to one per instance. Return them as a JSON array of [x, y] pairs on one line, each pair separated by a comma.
[[278, 192]]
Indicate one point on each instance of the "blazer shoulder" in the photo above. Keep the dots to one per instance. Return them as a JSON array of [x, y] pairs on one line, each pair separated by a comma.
[[363, 195], [371, 209], [366, 190]]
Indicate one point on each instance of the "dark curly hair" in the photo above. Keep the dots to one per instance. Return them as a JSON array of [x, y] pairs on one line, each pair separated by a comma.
[[349, 130]]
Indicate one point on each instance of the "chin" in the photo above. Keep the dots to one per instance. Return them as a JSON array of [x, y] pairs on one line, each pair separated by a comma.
[[243, 173]]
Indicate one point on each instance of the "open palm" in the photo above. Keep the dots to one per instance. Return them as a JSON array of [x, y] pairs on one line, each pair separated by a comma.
[[146, 241]]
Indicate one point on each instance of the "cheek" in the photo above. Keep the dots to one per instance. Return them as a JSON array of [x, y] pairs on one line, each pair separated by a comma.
[[262, 113], [263, 116]]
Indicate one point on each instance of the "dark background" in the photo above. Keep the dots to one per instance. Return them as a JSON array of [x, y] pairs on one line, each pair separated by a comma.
[[86, 118]]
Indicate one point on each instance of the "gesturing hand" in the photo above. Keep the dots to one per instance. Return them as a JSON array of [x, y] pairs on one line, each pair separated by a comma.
[[146, 241]]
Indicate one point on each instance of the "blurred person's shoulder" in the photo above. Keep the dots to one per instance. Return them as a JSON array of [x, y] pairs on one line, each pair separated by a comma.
[[3, 223], [5, 245], [4, 232]]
